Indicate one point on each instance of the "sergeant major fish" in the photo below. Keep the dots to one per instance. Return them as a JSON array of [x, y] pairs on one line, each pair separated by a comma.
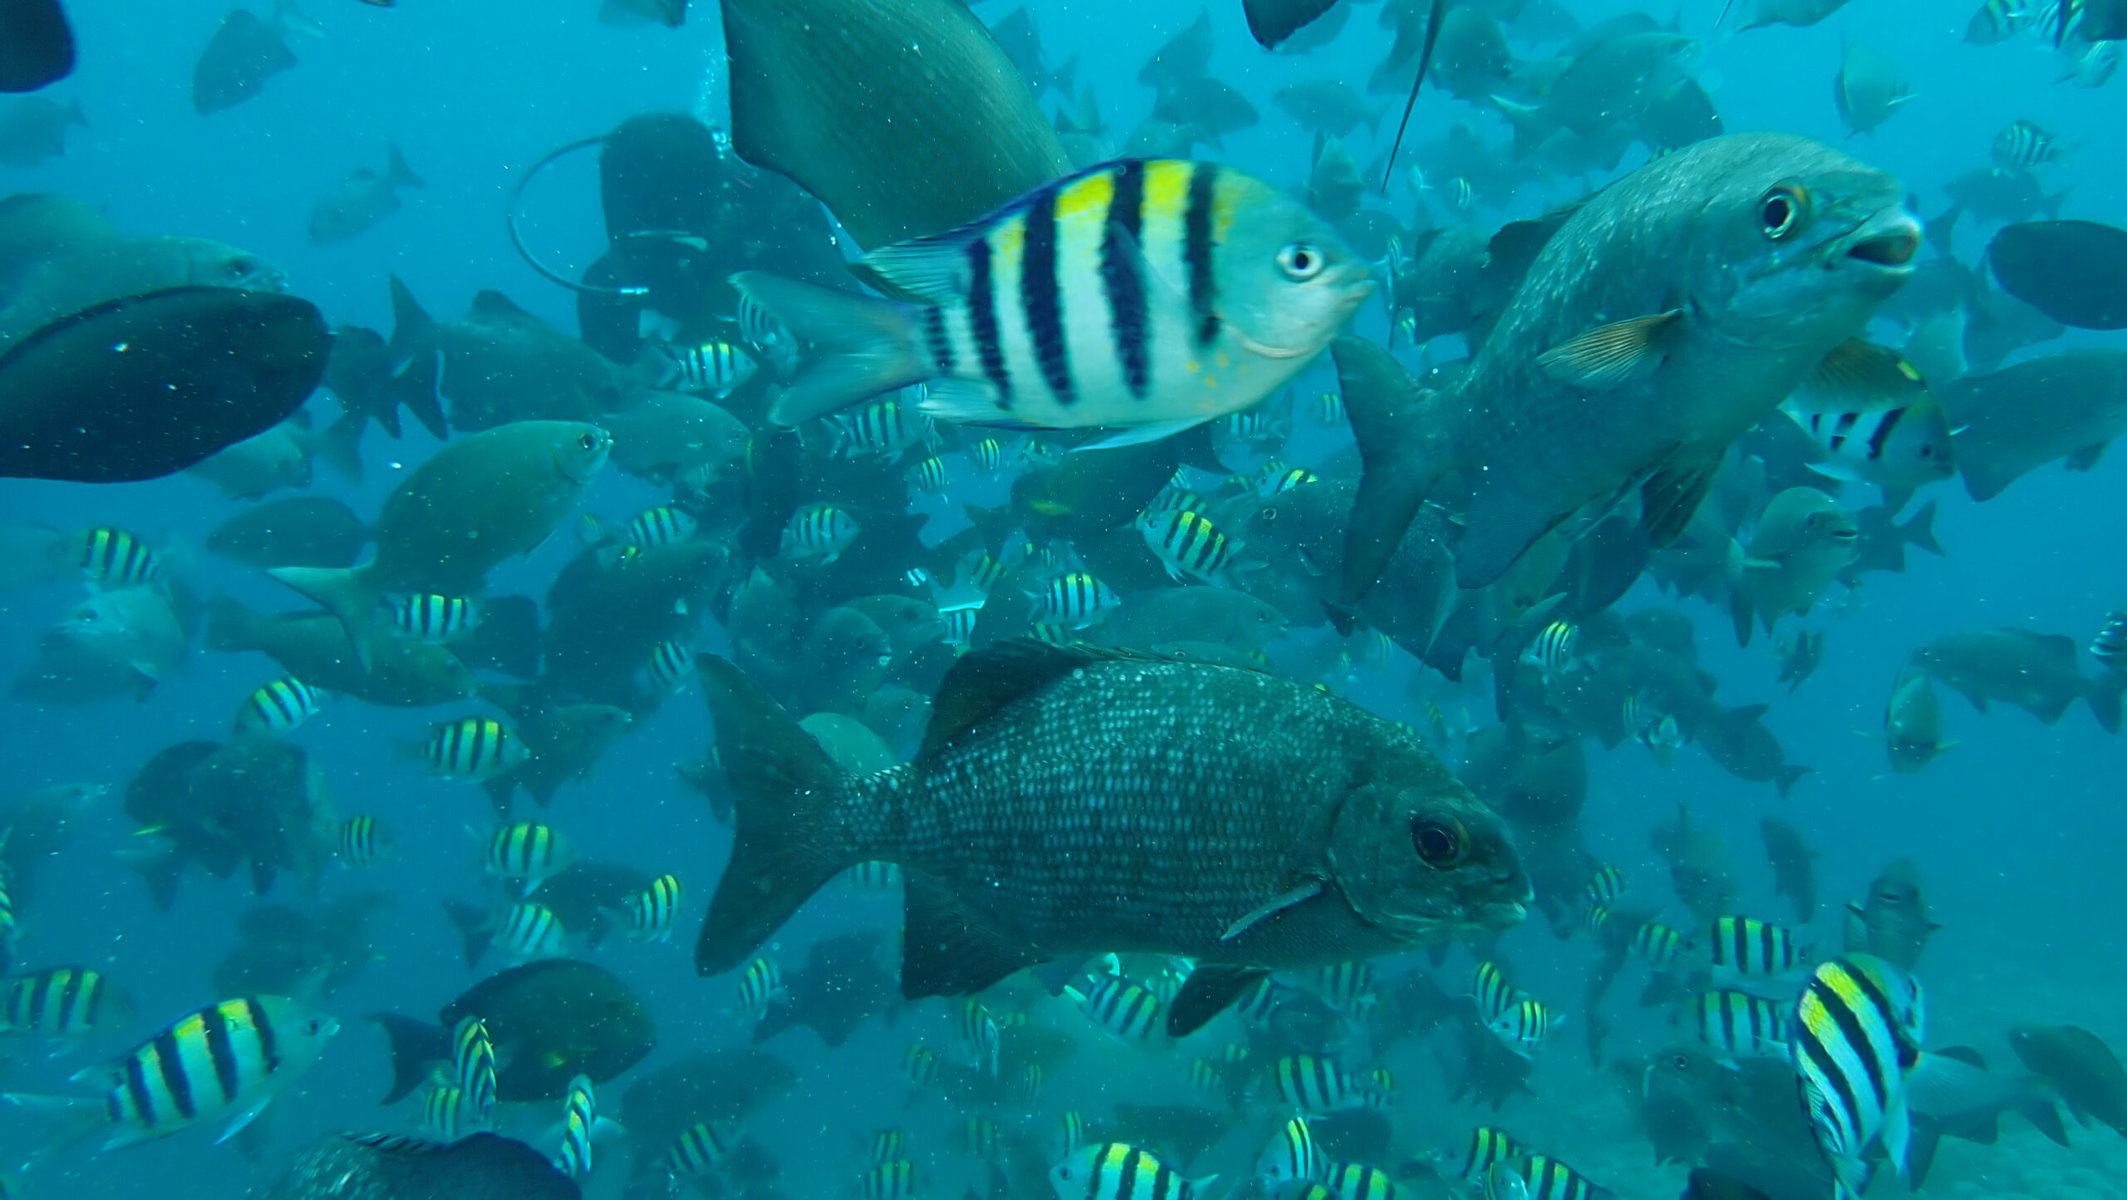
[[1151, 293], [1076, 798], [1668, 314]]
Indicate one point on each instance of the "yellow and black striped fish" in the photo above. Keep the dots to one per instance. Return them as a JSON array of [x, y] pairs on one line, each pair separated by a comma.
[[893, 1180], [1027, 1086], [1070, 1134], [697, 1152], [1658, 944], [1315, 1086], [981, 1138], [759, 986], [1348, 986], [1748, 948], [818, 532], [710, 368], [888, 1145], [473, 749], [362, 841], [113, 559], [1153, 293], [1740, 1025], [1609, 883], [445, 1113], [528, 850], [1118, 1171], [671, 665], [1074, 600], [662, 526], [431, 618], [473, 1066], [931, 476], [1490, 989], [1188, 544], [885, 426], [652, 911], [1856, 1035], [1552, 650], [226, 1059], [1524, 1025], [60, 1002], [279, 706], [1538, 1177], [919, 1065], [979, 1035], [531, 930], [987, 455], [1359, 1181], [578, 1116], [1291, 1154], [1123, 1008], [1487, 1145]]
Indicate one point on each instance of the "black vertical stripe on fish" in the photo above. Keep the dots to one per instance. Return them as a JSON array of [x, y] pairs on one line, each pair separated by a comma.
[[170, 1062], [1120, 251], [1856, 1037], [221, 1050], [1197, 249], [982, 320], [1768, 944], [938, 340], [143, 1100], [1883, 432], [269, 1051], [1040, 298], [1126, 1186]]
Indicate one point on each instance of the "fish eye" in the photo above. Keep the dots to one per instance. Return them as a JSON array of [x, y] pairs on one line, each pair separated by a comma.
[[1680, 1061], [1301, 261], [1441, 844], [1781, 209], [587, 441]]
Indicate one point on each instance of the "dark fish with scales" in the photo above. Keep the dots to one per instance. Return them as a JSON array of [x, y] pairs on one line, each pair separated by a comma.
[[1066, 802], [1623, 366]]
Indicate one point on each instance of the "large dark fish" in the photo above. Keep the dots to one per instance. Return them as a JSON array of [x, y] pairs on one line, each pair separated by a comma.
[[1668, 314], [1272, 21], [145, 386], [383, 1166], [2072, 271], [2015, 420], [1069, 801], [550, 1021], [36, 45], [243, 54], [903, 116]]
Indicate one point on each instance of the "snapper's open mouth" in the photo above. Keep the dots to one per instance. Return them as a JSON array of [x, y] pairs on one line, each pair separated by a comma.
[[1888, 241]]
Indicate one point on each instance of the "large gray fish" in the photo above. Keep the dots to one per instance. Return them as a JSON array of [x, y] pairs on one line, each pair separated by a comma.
[[1071, 801], [1892, 921], [2012, 422], [1667, 315]]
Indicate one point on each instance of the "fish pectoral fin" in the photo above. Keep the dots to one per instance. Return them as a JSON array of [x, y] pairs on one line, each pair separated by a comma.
[[1208, 991], [947, 949], [967, 402], [1138, 435], [1671, 496], [243, 1118], [1612, 355], [1272, 907]]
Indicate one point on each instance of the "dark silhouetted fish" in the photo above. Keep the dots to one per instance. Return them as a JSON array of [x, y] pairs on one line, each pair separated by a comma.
[[550, 1021], [383, 1166], [847, 96], [36, 44], [244, 53], [2072, 271], [146, 386]]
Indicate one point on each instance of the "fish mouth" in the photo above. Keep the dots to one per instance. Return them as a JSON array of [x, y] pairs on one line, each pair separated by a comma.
[[1889, 241], [1355, 284]]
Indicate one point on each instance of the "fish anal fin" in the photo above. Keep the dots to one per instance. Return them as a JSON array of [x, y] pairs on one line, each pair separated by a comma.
[[947, 949], [1671, 496], [1612, 355], [1208, 991]]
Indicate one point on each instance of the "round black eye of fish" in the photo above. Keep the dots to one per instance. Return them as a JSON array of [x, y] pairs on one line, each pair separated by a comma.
[[1780, 212], [1301, 261], [1679, 1061], [1440, 844], [587, 441]]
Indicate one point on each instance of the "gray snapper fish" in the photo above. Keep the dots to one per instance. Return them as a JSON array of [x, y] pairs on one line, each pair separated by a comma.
[[1667, 315], [1070, 801], [114, 643], [361, 200], [84, 274], [476, 502]]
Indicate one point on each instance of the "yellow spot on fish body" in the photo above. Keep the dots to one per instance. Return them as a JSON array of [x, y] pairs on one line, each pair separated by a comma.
[[1166, 185], [1089, 197]]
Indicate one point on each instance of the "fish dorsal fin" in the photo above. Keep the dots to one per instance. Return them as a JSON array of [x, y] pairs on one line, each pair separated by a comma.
[[986, 680], [490, 305], [931, 269], [1612, 355], [1858, 376]]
